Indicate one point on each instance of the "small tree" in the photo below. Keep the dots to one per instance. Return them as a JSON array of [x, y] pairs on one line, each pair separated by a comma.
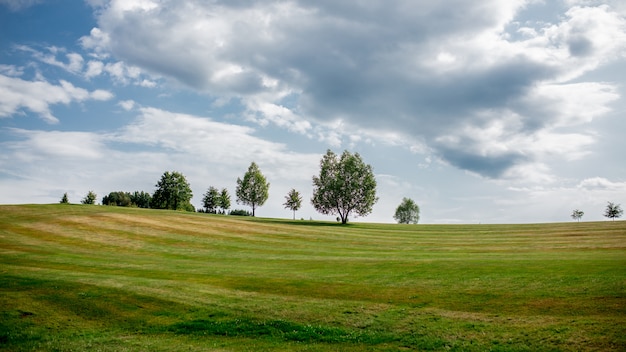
[[224, 200], [293, 201], [90, 198], [344, 185], [253, 189], [613, 211], [173, 192], [64, 199], [211, 200], [577, 214], [408, 212]]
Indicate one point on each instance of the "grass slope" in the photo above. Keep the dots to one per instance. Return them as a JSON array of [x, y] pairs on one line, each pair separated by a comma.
[[76, 277]]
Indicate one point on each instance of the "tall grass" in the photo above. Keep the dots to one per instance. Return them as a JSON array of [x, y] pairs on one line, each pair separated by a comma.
[[105, 278]]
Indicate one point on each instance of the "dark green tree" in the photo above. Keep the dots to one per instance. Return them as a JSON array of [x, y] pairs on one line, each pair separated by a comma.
[[408, 212], [173, 192], [64, 199], [344, 185], [90, 198], [613, 211], [141, 199], [211, 200], [293, 201], [120, 199], [253, 189]]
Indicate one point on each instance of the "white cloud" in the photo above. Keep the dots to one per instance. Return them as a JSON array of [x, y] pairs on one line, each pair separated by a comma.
[[38, 96], [446, 83], [601, 183], [127, 104]]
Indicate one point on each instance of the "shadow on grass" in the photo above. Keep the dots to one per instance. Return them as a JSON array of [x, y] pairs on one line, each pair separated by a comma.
[[303, 222], [278, 329]]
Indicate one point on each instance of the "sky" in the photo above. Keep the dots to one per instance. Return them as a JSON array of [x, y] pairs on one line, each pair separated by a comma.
[[481, 112]]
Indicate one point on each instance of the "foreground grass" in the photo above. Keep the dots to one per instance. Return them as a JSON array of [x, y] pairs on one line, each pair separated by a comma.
[[114, 279]]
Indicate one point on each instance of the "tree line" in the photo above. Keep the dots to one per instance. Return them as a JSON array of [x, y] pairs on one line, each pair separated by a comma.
[[345, 185]]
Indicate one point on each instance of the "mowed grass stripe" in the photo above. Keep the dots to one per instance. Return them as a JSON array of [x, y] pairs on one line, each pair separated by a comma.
[[465, 287]]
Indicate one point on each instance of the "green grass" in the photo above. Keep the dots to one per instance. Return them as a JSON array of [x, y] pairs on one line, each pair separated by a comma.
[[76, 277]]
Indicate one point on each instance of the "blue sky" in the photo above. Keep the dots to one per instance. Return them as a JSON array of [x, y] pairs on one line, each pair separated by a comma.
[[502, 112]]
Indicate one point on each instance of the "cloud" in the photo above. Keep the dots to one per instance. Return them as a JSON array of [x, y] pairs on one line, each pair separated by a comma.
[[601, 183], [474, 90], [37, 96], [18, 5]]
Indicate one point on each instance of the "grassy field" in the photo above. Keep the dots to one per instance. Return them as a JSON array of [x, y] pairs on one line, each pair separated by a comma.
[[96, 278]]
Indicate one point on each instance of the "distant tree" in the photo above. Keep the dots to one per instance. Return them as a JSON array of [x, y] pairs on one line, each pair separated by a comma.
[[224, 200], [90, 198], [577, 214], [141, 199], [253, 189], [211, 200], [344, 185], [293, 201], [173, 192], [613, 211], [120, 199], [408, 212], [64, 199]]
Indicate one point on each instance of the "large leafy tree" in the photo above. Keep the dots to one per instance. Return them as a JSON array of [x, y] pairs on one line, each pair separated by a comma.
[[344, 185], [613, 211], [253, 189], [293, 201], [173, 192], [408, 212]]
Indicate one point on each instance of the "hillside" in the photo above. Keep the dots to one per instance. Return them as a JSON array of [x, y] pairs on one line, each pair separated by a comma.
[[77, 277]]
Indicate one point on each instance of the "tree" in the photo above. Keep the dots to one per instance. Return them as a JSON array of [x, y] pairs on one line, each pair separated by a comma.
[[120, 199], [577, 214], [408, 212], [613, 211], [90, 198], [293, 201], [253, 190], [224, 200], [64, 199], [173, 192], [211, 200], [343, 186], [141, 199]]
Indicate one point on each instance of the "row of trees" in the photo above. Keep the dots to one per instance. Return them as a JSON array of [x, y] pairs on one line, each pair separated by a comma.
[[612, 211], [344, 186]]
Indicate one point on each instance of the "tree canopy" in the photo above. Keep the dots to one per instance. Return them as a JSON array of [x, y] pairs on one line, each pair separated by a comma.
[[173, 192], [408, 212], [613, 211], [344, 185], [253, 189]]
